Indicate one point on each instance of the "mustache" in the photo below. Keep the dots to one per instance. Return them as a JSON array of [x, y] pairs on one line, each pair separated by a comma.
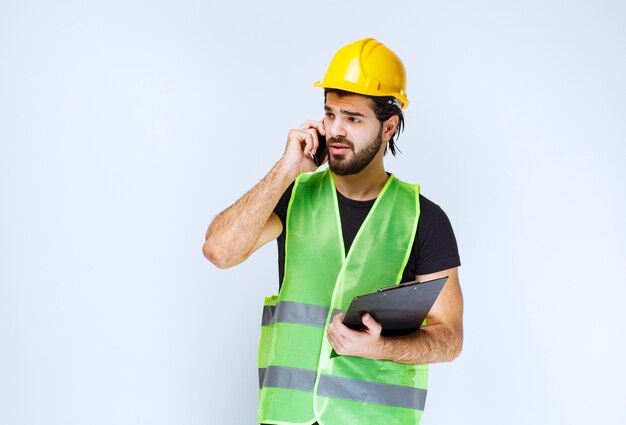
[[341, 140]]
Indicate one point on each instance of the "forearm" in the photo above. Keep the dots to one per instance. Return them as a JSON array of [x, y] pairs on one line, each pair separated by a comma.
[[233, 234], [431, 344]]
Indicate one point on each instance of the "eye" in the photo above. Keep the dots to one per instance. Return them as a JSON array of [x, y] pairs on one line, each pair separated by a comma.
[[354, 120], [329, 115]]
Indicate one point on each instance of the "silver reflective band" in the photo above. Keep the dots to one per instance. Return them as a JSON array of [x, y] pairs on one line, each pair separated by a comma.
[[296, 313], [371, 392], [345, 388], [287, 377]]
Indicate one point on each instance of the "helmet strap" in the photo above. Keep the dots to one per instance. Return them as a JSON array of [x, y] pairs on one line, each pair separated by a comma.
[[396, 102]]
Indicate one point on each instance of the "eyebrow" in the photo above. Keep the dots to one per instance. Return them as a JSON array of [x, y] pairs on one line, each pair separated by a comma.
[[344, 112]]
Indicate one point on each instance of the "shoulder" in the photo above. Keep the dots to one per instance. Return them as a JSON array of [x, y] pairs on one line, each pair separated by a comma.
[[433, 218], [312, 178], [306, 180], [435, 245], [430, 209], [427, 207]]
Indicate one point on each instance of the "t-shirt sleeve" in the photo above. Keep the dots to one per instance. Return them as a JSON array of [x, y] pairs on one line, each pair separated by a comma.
[[281, 212], [435, 248], [283, 205]]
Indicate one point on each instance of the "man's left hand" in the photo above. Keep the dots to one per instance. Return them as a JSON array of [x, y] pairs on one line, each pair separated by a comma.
[[362, 343]]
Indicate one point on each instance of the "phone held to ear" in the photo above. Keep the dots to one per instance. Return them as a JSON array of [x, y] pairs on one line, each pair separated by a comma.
[[322, 150]]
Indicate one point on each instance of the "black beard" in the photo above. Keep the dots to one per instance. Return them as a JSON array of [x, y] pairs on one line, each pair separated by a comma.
[[361, 159]]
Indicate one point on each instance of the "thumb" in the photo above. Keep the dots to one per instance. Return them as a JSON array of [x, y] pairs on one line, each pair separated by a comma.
[[371, 324]]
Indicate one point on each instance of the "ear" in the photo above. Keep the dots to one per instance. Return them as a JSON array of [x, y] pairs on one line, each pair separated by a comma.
[[389, 127]]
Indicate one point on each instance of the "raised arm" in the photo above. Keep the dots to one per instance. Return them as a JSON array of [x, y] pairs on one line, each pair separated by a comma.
[[250, 222]]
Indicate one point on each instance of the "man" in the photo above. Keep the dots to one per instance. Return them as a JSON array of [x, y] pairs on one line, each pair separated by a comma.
[[343, 232]]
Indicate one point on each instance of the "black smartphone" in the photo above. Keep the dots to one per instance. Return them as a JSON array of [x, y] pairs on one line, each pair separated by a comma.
[[322, 150]]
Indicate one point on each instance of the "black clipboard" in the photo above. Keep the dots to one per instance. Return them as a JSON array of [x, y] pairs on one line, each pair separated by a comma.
[[400, 309]]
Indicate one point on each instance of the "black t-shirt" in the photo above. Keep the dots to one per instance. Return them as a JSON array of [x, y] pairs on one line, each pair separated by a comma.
[[434, 247]]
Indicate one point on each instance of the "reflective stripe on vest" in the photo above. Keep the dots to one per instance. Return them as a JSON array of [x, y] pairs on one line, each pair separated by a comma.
[[299, 382], [287, 377], [297, 313], [344, 388]]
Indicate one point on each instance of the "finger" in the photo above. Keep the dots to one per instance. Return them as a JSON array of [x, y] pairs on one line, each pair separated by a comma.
[[342, 331], [311, 124], [335, 329], [307, 139], [305, 125], [321, 128], [332, 338], [315, 127], [315, 141], [337, 323], [303, 142], [372, 325], [335, 343], [300, 137]]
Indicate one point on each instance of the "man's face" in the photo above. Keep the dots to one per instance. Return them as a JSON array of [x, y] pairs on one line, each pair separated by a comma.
[[353, 133]]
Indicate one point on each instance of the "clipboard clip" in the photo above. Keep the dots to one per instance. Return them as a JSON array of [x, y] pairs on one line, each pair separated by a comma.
[[401, 285]]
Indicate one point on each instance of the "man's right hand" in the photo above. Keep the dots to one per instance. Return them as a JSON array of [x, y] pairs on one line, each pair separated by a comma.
[[250, 222], [301, 144]]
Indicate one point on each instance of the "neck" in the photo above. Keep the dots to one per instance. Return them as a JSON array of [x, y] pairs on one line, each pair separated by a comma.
[[365, 185]]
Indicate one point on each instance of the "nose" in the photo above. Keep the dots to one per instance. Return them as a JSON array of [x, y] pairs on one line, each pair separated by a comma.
[[335, 128]]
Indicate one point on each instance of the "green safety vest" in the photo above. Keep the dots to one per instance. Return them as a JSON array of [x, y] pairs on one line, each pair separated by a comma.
[[299, 382]]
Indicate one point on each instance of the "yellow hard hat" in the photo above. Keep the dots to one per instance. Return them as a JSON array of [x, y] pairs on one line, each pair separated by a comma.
[[367, 67]]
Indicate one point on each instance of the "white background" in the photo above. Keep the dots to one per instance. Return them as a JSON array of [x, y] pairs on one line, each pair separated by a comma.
[[124, 129]]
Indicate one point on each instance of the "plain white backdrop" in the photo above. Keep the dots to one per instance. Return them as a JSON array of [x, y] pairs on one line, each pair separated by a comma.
[[124, 129]]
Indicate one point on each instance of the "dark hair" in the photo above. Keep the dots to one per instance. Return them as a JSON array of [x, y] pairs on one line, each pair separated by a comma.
[[385, 107]]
